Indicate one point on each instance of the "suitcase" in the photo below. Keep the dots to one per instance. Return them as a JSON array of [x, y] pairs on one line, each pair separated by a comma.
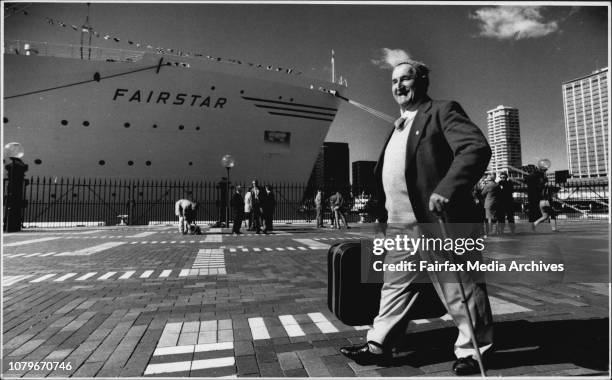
[[355, 303]]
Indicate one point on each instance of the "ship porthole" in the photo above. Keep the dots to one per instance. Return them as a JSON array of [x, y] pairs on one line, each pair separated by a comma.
[[148, 163], [190, 163], [280, 98], [154, 125], [64, 122], [181, 127], [242, 91], [127, 125], [5, 120], [130, 162], [197, 128], [86, 123], [291, 99], [38, 161], [212, 88], [101, 162]]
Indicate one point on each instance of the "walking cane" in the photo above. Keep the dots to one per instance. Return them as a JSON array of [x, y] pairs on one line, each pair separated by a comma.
[[464, 302]]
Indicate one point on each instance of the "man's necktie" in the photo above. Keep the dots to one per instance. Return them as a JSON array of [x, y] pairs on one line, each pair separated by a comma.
[[406, 117]]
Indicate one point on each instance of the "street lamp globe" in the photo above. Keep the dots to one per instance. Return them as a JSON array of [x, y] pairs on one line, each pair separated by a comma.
[[14, 150], [228, 161], [544, 164]]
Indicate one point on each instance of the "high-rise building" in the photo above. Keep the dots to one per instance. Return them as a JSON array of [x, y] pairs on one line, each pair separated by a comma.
[[363, 177], [331, 169], [504, 138], [585, 106]]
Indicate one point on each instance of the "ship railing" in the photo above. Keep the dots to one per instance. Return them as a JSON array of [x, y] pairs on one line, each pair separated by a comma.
[[24, 47]]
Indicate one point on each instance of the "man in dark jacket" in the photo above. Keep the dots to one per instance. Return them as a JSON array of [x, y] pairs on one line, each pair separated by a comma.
[[237, 204], [431, 160], [268, 203], [505, 209]]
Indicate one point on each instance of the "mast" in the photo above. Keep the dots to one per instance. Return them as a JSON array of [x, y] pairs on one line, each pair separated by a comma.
[[333, 68], [86, 29]]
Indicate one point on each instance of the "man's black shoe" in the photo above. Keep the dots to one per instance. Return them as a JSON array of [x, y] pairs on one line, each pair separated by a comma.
[[466, 366], [363, 356]]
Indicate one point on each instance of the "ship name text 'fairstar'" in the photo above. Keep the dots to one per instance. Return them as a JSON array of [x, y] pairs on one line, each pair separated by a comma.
[[163, 97]]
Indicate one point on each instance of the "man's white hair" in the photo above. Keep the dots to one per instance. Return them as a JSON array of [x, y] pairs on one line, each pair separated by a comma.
[[395, 57]]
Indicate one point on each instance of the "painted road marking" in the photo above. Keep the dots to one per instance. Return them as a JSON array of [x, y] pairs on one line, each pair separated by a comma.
[[86, 276], [165, 273], [291, 326], [91, 250], [146, 274], [258, 328], [10, 280], [65, 277], [322, 323], [127, 275], [213, 238], [43, 278], [312, 244], [142, 234], [106, 276], [32, 241]]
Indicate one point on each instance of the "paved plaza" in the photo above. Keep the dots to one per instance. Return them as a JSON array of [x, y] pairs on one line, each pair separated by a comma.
[[147, 301]]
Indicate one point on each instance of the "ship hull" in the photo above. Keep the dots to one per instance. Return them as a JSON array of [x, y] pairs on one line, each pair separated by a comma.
[[155, 118]]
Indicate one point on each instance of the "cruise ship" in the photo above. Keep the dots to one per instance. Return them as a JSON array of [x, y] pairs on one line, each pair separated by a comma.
[[106, 113]]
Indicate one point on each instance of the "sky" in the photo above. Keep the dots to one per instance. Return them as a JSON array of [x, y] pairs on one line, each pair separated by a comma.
[[481, 55]]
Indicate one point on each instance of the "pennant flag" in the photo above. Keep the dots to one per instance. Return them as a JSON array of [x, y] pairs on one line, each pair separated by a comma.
[[74, 27], [62, 24], [116, 39], [130, 42], [149, 47], [106, 37]]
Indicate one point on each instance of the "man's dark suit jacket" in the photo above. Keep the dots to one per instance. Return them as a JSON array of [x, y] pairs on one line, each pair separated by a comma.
[[446, 154]]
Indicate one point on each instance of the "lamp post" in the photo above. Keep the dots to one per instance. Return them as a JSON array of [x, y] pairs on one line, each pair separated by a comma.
[[228, 162], [14, 190]]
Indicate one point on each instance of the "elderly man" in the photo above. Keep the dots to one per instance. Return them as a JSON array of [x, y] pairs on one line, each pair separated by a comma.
[[430, 162], [185, 209]]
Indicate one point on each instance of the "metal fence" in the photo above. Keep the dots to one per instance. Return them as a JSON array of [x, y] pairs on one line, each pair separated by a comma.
[[68, 202]]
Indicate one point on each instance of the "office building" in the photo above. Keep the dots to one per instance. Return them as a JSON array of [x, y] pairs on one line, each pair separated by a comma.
[[331, 169], [585, 106], [363, 177], [504, 138]]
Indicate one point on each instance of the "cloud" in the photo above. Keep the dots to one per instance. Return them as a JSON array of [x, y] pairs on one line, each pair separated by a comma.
[[516, 23], [390, 58]]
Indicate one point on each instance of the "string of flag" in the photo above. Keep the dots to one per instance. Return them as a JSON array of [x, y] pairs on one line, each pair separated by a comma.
[[162, 50]]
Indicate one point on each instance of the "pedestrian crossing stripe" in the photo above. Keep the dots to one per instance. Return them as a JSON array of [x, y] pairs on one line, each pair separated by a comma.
[[113, 275], [91, 250], [217, 336]]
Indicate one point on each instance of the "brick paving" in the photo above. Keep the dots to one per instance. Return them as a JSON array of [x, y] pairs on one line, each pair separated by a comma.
[[146, 301]]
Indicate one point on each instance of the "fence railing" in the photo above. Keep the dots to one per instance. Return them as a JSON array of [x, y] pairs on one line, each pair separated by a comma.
[[68, 202]]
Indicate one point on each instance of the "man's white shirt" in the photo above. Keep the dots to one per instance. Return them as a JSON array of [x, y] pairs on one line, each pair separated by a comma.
[[397, 203]]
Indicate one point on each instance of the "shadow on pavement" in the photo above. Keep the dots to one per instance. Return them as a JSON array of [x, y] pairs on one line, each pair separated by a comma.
[[584, 343]]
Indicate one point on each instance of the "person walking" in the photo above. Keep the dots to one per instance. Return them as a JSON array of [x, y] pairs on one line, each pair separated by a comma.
[[490, 193], [337, 206], [237, 205], [432, 158], [256, 198], [248, 209], [545, 204], [268, 204], [505, 209]]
